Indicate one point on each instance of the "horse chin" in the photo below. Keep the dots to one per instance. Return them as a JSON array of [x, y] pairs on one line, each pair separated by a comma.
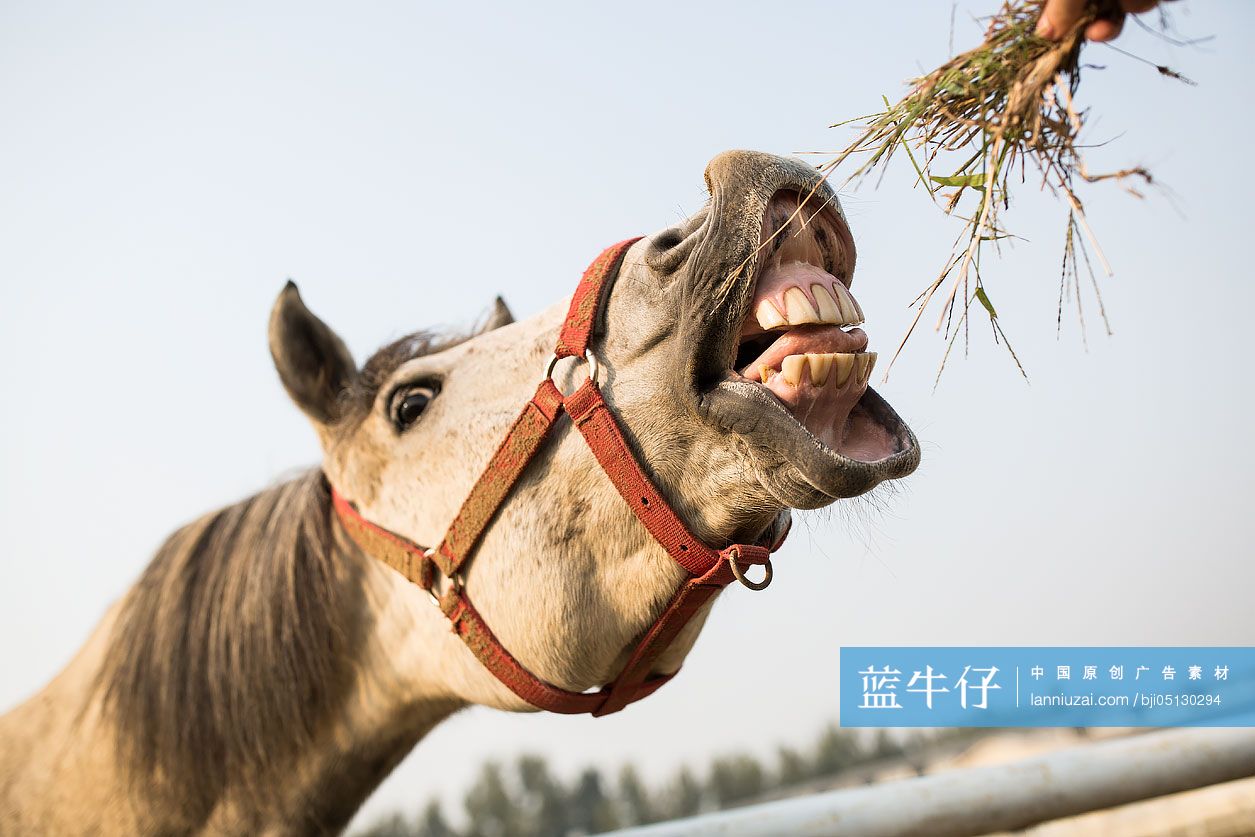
[[800, 470]]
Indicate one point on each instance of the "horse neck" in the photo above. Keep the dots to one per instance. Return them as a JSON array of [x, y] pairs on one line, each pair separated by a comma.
[[399, 694], [393, 702], [395, 672], [311, 709]]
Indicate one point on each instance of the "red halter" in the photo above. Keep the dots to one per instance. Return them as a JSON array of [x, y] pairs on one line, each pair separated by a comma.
[[710, 570]]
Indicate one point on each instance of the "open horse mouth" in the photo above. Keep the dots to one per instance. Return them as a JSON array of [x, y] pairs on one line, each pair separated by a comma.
[[795, 376], [800, 340]]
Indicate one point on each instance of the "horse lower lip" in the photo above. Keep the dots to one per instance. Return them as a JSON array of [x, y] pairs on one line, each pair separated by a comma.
[[816, 339], [882, 448]]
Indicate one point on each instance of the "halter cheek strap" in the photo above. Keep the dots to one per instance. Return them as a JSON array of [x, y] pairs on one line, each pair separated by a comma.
[[709, 569]]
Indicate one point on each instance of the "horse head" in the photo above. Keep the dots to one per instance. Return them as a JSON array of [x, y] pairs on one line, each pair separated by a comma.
[[730, 351]]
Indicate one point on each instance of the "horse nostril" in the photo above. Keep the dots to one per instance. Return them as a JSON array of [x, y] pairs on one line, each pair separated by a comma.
[[667, 239], [665, 253]]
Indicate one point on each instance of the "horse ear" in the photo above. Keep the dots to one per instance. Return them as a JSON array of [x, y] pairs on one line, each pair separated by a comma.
[[313, 363], [497, 317]]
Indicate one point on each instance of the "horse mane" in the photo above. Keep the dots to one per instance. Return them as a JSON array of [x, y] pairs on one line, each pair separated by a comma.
[[240, 640], [235, 647]]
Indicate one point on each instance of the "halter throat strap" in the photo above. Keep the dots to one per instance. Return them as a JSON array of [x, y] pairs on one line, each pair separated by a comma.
[[709, 570]]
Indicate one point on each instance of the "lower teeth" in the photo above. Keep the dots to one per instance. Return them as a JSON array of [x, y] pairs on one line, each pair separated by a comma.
[[840, 367]]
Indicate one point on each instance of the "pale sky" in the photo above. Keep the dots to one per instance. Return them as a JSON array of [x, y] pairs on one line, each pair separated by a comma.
[[165, 167]]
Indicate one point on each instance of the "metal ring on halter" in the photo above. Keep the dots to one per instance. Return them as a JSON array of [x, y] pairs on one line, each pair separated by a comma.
[[740, 576], [456, 582], [427, 555], [589, 358]]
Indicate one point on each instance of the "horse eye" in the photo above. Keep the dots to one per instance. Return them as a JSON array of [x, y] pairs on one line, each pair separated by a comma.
[[409, 404]]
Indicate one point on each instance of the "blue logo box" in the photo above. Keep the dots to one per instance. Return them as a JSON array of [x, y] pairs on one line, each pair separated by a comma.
[[1047, 687]]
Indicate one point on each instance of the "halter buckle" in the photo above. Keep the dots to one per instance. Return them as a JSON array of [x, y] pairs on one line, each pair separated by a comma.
[[589, 358]]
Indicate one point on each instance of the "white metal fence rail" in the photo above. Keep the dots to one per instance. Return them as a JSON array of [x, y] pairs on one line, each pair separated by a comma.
[[980, 800]]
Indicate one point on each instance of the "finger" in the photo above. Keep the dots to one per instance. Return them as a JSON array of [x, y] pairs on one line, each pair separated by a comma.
[[1138, 6], [1104, 30], [1058, 17]]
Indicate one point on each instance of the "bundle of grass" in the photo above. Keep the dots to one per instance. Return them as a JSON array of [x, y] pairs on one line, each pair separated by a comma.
[[983, 118]]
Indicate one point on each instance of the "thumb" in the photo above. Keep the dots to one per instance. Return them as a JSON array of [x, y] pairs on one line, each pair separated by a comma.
[[1059, 16]]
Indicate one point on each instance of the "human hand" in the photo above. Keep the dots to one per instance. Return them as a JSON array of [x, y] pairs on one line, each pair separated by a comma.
[[1059, 16]]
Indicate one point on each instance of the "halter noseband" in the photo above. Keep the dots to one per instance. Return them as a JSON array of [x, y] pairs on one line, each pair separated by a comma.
[[709, 569]]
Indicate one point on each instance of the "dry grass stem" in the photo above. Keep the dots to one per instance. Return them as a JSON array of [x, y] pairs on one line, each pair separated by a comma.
[[987, 116]]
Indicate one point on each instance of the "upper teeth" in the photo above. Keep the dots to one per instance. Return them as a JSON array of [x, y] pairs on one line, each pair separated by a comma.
[[833, 303]]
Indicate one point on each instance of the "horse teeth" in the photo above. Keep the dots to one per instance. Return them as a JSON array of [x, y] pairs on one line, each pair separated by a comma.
[[829, 312], [826, 303], [769, 316], [851, 314], [842, 365], [791, 369], [866, 362], [820, 366], [854, 368], [798, 308]]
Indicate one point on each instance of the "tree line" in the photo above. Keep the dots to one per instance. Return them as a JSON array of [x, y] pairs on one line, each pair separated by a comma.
[[526, 799]]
